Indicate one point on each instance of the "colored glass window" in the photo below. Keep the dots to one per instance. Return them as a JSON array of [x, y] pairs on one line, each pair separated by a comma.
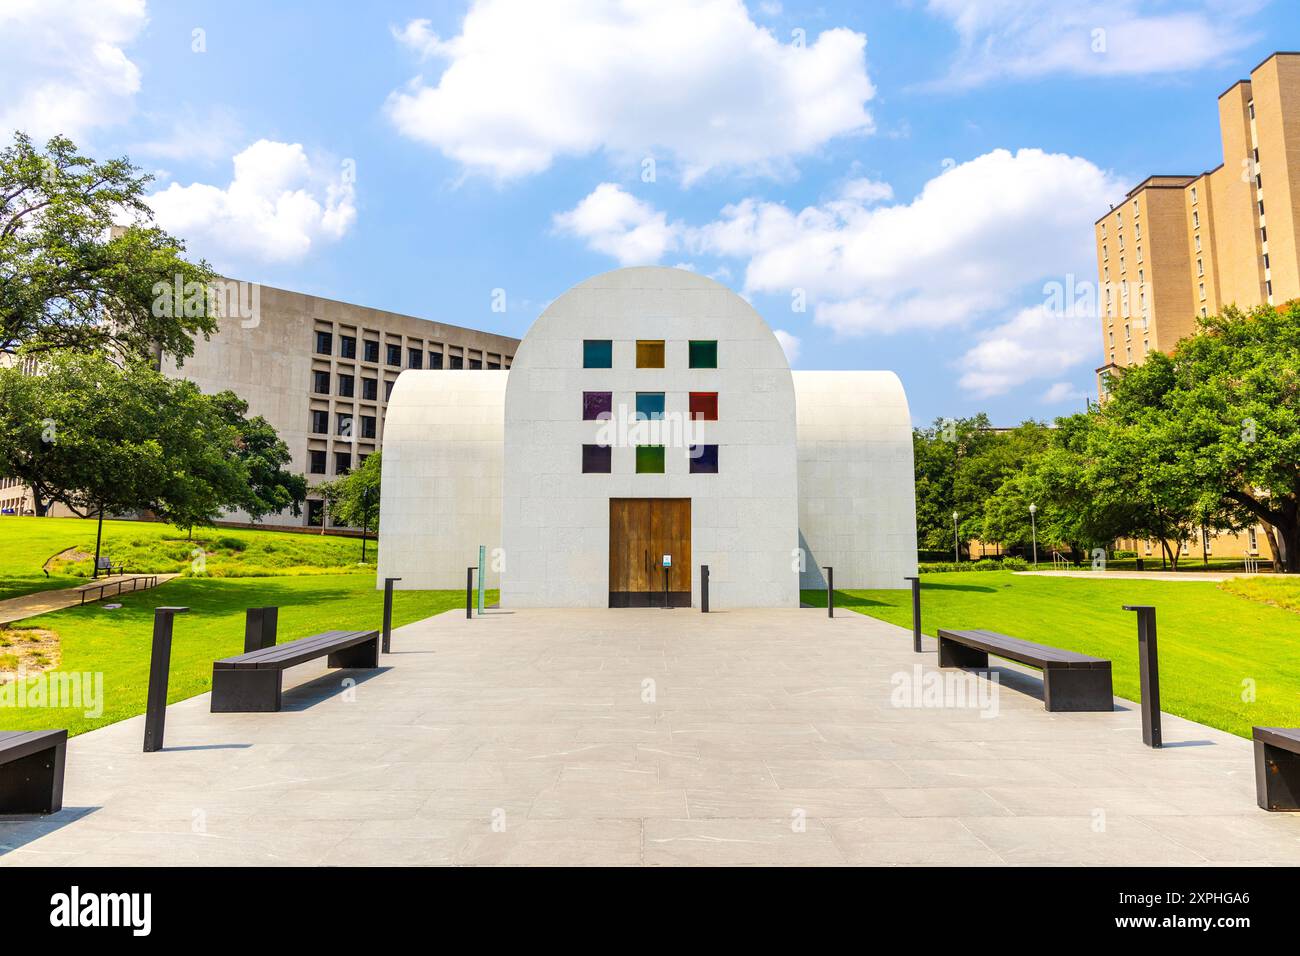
[[596, 405], [596, 460], [597, 353], [704, 406], [704, 459], [703, 354], [649, 405], [649, 459], [650, 353]]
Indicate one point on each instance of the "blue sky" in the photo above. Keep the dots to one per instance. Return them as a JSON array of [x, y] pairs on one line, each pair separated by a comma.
[[891, 184]]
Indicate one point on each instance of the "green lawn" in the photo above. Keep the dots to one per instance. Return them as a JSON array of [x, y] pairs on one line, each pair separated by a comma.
[[1212, 641], [117, 643], [143, 546]]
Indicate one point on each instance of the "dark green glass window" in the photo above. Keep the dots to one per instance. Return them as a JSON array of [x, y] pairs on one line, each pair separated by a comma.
[[704, 354], [597, 353], [649, 459]]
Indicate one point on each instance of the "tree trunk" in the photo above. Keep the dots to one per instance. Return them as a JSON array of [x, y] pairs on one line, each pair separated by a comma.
[[1290, 535], [1205, 547], [1272, 547]]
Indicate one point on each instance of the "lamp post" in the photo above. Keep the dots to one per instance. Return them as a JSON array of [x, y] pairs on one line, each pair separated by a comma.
[[956, 546], [1033, 524]]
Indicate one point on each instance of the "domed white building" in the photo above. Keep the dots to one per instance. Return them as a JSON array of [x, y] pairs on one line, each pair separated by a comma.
[[650, 425]]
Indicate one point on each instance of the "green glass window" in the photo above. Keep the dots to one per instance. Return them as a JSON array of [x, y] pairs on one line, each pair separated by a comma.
[[597, 353], [649, 405], [649, 459], [704, 354]]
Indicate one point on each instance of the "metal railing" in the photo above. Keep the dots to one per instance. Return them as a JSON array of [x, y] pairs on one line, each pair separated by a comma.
[[139, 582]]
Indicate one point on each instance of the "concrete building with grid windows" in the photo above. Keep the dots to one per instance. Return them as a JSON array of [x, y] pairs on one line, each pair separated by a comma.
[[650, 426]]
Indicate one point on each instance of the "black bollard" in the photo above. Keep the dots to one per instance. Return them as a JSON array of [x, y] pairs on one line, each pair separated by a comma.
[[1149, 673], [260, 628], [388, 613], [704, 589], [830, 592], [469, 592], [916, 613], [155, 711]]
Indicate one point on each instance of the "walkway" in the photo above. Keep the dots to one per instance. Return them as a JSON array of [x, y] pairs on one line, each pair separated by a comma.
[[42, 602], [655, 737]]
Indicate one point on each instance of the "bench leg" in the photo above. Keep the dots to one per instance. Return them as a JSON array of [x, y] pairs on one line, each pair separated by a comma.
[[954, 654], [33, 784], [245, 690], [358, 655], [1078, 689], [1277, 777]]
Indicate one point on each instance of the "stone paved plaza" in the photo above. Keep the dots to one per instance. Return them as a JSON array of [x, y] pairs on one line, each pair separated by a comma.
[[654, 737]]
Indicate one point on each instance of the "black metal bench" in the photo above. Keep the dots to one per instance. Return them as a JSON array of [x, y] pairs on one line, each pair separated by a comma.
[[1277, 767], [31, 770], [1071, 681], [251, 682]]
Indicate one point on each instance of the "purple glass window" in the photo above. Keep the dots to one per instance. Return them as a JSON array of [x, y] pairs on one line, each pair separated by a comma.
[[704, 459], [596, 460], [596, 405]]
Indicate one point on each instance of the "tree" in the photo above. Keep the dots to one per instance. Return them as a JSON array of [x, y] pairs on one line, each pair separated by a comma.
[[354, 498], [270, 488], [102, 438], [70, 280]]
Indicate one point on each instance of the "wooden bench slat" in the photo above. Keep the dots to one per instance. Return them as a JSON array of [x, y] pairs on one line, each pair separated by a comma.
[[1288, 738], [290, 653], [1026, 652], [16, 744]]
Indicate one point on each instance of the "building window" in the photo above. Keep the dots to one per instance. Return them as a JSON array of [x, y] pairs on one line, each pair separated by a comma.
[[1196, 219], [597, 405], [597, 459], [1200, 267], [316, 462], [1193, 195], [367, 429], [414, 358], [315, 510], [1105, 253], [475, 364], [394, 355], [320, 383], [457, 361], [1202, 290], [320, 422], [342, 462], [369, 389], [388, 390], [1254, 541], [704, 459], [649, 459], [348, 346], [1197, 239], [435, 360], [347, 385], [324, 343], [345, 425], [370, 350], [494, 366], [649, 405], [597, 353], [1261, 207], [704, 406], [649, 353], [703, 354]]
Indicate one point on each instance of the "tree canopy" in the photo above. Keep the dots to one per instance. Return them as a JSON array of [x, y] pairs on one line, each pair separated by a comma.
[[69, 279]]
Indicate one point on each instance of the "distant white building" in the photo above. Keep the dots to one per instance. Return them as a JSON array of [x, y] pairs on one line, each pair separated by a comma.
[[650, 425]]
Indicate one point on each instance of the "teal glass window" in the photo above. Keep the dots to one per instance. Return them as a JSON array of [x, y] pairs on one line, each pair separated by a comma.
[[649, 405], [597, 353], [703, 354]]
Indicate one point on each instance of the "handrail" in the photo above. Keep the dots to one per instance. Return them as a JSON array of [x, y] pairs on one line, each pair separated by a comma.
[[150, 579]]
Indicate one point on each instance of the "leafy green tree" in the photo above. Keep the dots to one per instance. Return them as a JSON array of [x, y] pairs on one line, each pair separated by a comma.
[[70, 280], [353, 498], [270, 488]]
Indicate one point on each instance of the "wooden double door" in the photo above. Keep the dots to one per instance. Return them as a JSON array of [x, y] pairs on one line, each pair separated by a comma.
[[641, 532]]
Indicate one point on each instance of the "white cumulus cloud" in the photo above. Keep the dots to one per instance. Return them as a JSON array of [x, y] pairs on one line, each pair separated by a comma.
[[1021, 39], [613, 221], [64, 66], [1036, 343], [694, 81], [275, 208]]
